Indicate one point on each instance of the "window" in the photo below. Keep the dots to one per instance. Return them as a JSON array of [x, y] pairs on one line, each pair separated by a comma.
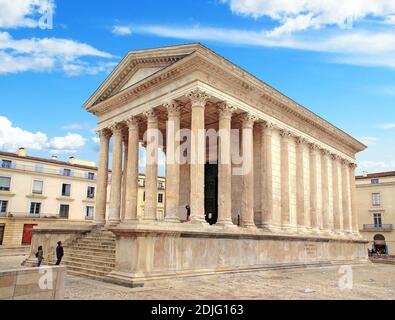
[[67, 172], [91, 192], [35, 208], [375, 181], [89, 212], [3, 206], [7, 164], [161, 186], [144, 196], [160, 197], [5, 183], [66, 188], [376, 199], [91, 176], [38, 187], [64, 211], [39, 168], [377, 219]]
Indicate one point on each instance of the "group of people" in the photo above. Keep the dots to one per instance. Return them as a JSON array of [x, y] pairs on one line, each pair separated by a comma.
[[59, 255]]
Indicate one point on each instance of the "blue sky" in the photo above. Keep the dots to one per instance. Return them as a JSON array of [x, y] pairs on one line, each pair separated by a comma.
[[336, 59]]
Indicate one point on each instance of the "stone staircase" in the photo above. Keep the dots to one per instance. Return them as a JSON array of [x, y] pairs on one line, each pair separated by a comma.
[[92, 256]]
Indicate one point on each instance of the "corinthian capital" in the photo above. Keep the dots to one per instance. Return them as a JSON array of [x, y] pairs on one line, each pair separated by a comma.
[[105, 133], [132, 122], [226, 110], [173, 108], [198, 98], [248, 120], [117, 128], [353, 166], [151, 115], [285, 134]]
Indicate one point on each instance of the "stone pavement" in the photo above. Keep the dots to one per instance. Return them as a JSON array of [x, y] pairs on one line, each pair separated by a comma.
[[370, 281]]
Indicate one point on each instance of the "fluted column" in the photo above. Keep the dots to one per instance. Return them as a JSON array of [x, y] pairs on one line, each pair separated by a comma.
[[151, 171], [247, 196], [285, 206], [116, 181], [335, 196], [354, 213], [267, 219], [132, 175], [315, 218], [198, 100], [102, 177], [225, 165], [302, 220], [345, 199], [172, 161], [125, 140], [326, 221]]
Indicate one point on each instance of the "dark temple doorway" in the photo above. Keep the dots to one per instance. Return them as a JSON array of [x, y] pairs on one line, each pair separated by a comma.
[[211, 193]]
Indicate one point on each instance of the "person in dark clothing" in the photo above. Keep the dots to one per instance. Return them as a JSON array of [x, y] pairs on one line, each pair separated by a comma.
[[59, 253], [39, 256], [188, 212]]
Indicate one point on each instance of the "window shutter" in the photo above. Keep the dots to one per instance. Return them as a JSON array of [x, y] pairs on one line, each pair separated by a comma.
[[13, 165], [61, 172]]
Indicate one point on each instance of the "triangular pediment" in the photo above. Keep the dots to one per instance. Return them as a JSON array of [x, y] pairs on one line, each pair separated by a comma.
[[137, 66]]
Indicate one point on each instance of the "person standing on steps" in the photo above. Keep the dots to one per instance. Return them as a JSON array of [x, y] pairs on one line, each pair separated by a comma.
[[59, 253], [39, 256]]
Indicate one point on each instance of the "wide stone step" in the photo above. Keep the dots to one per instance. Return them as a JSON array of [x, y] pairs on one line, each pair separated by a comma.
[[88, 271], [95, 238], [86, 275], [86, 246], [101, 263], [95, 257], [89, 265], [92, 249], [90, 254], [101, 242]]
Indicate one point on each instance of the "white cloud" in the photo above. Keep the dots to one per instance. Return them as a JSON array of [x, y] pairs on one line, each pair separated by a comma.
[[96, 140], [297, 15], [122, 30], [387, 126], [369, 141], [24, 13], [75, 126], [358, 47], [48, 54], [12, 138], [374, 166]]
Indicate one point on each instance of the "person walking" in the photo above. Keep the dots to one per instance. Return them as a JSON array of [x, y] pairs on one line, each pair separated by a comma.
[[39, 256], [188, 212], [59, 253]]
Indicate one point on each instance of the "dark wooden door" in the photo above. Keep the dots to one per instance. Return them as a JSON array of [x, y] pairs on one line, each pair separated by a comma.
[[211, 193], [2, 227], [27, 234]]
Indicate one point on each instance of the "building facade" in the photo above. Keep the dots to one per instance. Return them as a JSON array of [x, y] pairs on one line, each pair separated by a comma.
[[268, 182], [38, 191], [375, 202]]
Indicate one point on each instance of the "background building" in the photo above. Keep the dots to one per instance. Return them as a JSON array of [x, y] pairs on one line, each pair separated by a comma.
[[375, 200], [36, 191]]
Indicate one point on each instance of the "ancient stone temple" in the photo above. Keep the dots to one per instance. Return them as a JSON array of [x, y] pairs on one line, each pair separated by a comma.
[[268, 182]]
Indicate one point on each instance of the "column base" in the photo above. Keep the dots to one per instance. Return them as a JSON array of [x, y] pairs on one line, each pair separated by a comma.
[[287, 228], [269, 228], [225, 223], [248, 225], [130, 222]]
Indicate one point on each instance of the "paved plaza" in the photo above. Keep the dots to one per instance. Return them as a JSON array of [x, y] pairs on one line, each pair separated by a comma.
[[370, 281]]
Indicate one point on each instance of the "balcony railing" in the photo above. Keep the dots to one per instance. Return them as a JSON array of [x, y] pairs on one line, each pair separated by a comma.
[[60, 172], [24, 215], [373, 227]]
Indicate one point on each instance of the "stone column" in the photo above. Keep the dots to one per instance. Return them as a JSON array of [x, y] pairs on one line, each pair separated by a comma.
[[302, 221], [225, 165], [151, 171], [354, 213], [326, 222], [172, 161], [102, 177], [198, 100], [132, 176], [335, 196], [267, 219], [247, 196], [285, 207], [116, 181], [125, 140], [345, 199], [314, 214]]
